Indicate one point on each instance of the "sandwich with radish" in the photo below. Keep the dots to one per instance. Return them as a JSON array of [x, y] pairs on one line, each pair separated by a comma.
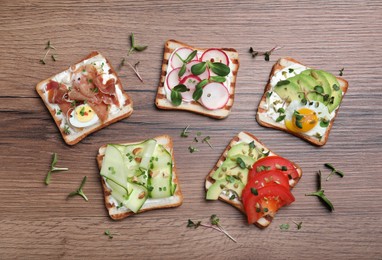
[[198, 80]]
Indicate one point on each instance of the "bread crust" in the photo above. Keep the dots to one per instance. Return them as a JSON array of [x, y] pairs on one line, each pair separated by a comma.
[[271, 124], [74, 138], [163, 103], [118, 214], [246, 137]]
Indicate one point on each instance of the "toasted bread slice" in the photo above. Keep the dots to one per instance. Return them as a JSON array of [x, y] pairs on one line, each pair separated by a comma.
[[116, 212], [71, 134], [266, 121], [162, 100], [236, 202]]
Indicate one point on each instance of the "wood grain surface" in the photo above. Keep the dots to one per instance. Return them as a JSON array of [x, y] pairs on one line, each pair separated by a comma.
[[38, 222]]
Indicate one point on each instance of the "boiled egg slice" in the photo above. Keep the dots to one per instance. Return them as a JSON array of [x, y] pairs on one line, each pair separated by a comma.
[[83, 116], [310, 119]]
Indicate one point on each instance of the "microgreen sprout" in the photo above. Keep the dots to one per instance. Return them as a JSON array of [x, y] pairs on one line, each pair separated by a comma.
[[266, 54], [79, 191], [53, 168], [320, 194], [334, 171]]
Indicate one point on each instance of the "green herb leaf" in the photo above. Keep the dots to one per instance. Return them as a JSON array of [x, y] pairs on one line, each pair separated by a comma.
[[53, 168], [197, 94], [180, 88], [281, 110], [140, 47], [191, 56], [266, 56], [182, 70], [54, 57], [290, 70], [192, 149], [324, 122], [319, 89], [341, 71], [336, 87], [176, 98], [282, 83], [192, 224], [321, 194], [214, 220], [107, 233], [217, 79], [185, 132], [199, 68], [254, 191], [219, 68], [280, 118], [232, 197], [230, 179], [241, 163], [202, 83], [252, 145], [284, 226], [79, 191], [207, 140], [334, 171], [135, 47], [298, 225]]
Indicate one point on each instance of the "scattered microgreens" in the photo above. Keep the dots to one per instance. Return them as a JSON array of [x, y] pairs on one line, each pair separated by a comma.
[[135, 69], [176, 96], [107, 233], [298, 117], [185, 132], [334, 171], [214, 224], [265, 54], [79, 191], [193, 149], [240, 163], [135, 47], [284, 226], [298, 225], [53, 168], [319, 90], [207, 140], [187, 60], [48, 48], [341, 73], [281, 112], [320, 193]]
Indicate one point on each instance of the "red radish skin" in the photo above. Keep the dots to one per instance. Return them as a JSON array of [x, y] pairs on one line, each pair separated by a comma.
[[183, 52], [215, 55], [190, 82], [172, 78], [204, 75], [215, 96]]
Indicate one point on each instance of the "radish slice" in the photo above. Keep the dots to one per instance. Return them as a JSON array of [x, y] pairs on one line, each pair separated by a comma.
[[190, 82], [172, 78], [204, 75], [183, 52], [215, 96], [215, 55]]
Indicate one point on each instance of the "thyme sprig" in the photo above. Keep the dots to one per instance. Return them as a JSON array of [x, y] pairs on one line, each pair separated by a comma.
[[79, 191], [53, 168], [266, 54], [214, 224], [320, 193]]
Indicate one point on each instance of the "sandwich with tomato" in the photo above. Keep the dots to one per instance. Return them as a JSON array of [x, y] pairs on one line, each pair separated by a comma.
[[253, 179]]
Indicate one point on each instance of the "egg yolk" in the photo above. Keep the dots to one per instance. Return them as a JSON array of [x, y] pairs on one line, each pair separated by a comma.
[[303, 120], [84, 113]]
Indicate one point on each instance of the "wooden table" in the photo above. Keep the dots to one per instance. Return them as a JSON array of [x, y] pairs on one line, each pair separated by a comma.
[[38, 222]]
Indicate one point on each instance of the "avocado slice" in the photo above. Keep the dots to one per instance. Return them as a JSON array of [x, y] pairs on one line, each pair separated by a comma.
[[288, 90], [230, 168], [243, 149], [336, 94], [219, 186]]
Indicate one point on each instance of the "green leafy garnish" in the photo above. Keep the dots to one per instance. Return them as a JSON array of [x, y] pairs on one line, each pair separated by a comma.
[[341, 72], [185, 132], [53, 168], [254, 191], [135, 47], [107, 233], [199, 90], [280, 118], [334, 171], [282, 83], [192, 149], [199, 68], [58, 112], [230, 179], [252, 145], [266, 54], [320, 194], [192, 224], [48, 48], [241, 163], [207, 140], [319, 89], [298, 225], [176, 97], [66, 129], [284, 226], [298, 117], [79, 191], [217, 79], [218, 68], [324, 122], [336, 87], [182, 70]]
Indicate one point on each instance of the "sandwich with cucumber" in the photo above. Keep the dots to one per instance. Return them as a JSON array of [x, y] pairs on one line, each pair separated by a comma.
[[140, 176]]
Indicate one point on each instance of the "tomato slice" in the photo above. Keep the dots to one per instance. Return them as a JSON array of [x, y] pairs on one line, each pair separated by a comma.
[[274, 163], [267, 201], [265, 178]]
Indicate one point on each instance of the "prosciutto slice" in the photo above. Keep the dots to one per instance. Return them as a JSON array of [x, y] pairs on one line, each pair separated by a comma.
[[100, 109], [56, 92]]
